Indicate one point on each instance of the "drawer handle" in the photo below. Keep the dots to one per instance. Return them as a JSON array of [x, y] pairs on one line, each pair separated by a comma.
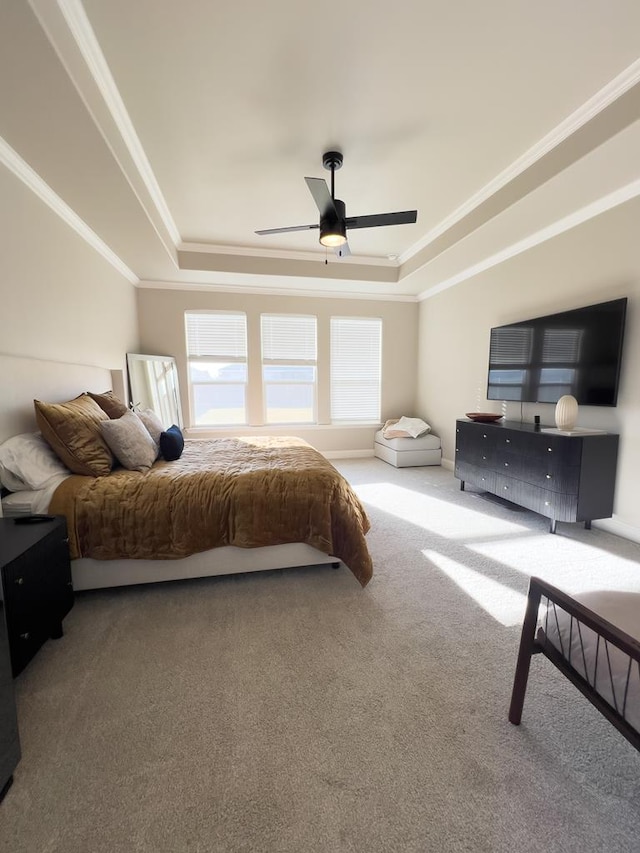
[[547, 503], [483, 479], [506, 488], [506, 464], [550, 449], [19, 581], [549, 476], [508, 440], [66, 541], [484, 458], [484, 435], [25, 636]]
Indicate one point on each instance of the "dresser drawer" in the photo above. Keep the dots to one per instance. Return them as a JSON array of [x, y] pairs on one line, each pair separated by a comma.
[[483, 478], [562, 507], [475, 445], [549, 473]]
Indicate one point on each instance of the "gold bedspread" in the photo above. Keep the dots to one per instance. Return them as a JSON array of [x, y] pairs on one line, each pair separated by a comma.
[[247, 492]]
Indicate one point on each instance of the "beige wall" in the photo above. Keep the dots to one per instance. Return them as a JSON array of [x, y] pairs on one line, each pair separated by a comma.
[[161, 319], [59, 299], [597, 261]]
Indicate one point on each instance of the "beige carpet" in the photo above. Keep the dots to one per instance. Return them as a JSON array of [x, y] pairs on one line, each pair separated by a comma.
[[294, 712]]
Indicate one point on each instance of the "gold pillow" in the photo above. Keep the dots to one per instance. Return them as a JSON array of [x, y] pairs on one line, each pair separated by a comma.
[[72, 430], [110, 404]]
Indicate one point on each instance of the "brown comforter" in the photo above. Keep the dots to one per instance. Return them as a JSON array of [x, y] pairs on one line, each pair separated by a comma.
[[246, 492]]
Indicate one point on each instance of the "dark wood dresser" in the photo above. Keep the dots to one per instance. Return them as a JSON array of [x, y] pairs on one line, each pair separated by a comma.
[[563, 477], [36, 582]]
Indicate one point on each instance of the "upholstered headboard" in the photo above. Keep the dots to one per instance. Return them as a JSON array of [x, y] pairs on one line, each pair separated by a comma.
[[24, 379]]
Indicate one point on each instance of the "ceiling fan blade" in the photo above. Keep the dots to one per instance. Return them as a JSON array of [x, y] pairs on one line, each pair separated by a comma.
[[403, 217], [285, 230], [322, 197], [343, 251]]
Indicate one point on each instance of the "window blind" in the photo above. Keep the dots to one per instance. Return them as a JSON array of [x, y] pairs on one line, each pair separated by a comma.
[[218, 336], [356, 347], [290, 338]]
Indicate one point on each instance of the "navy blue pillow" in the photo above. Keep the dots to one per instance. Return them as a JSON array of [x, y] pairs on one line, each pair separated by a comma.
[[172, 443]]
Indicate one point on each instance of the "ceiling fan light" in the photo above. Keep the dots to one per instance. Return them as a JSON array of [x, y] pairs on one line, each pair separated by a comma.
[[333, 231], [332, 238]]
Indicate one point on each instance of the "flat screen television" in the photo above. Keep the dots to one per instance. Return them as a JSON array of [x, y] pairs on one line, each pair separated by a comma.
[[575, 352]]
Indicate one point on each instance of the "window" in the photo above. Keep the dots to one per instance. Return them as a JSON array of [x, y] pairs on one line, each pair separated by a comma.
[[356, 349], [217, 360], [289, 352]]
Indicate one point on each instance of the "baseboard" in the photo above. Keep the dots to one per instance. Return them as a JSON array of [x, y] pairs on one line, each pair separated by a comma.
[[618, 528], [448, 464], [346, 454]]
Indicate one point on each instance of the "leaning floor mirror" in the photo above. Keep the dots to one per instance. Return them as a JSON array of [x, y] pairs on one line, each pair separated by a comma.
[[153, 384]]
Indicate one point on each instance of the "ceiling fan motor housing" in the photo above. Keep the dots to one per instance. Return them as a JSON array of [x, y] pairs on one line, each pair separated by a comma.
[[333, 229], [332, 160], [330, 220]]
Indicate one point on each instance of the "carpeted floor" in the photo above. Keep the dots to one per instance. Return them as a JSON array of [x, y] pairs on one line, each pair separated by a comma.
[[293, 712]]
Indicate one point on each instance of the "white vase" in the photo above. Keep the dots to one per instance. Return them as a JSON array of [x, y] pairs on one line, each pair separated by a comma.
[[566, 412]]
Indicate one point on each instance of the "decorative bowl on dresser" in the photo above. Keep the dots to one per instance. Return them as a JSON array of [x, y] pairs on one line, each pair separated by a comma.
[[563, 477], [36, 583]]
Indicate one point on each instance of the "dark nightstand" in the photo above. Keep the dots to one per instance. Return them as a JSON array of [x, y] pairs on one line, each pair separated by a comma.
[[9, 739], [36, 581]]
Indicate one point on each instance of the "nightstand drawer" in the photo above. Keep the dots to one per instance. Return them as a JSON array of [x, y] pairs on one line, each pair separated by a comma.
[[36, 583]]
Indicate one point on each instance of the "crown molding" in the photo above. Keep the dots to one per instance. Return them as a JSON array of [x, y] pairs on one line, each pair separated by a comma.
[[273, 291], [250, 251], [572, 220], [31, 179], [613, 90], [82, 33]]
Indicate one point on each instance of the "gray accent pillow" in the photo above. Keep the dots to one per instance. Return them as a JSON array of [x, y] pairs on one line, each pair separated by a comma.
[[130, 442], [152, 423]]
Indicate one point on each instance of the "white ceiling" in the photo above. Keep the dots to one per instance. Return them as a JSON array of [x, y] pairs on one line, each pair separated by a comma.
[[175, 130]]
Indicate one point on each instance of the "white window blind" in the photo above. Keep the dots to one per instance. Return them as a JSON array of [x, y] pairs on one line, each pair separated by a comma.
[[356, 351], [217, 360], [289, 352], [217, 335], [288, 338]]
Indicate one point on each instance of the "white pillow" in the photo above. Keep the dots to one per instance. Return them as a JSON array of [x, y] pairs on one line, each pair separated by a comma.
[[414, 427], [27, 462], [130, 442], [30, 502]]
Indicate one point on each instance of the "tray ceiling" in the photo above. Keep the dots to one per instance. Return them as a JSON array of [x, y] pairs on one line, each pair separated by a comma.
[[175, 130]]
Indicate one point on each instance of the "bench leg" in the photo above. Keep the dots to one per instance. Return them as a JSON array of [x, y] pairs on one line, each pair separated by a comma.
[[527, 648]]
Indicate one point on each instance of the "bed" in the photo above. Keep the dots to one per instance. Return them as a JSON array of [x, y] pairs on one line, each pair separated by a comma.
[[593, 639], [284, 504]]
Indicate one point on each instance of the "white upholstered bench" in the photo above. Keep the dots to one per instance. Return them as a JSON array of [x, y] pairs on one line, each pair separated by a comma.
[[408, 452]]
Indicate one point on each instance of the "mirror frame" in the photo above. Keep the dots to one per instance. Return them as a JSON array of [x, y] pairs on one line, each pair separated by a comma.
[[145, 374]]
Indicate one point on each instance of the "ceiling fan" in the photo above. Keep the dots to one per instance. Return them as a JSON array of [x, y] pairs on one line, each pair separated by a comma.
[[334, 221]]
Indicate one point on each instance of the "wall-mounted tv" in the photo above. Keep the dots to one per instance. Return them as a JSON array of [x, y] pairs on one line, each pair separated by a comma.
[[575, 352]]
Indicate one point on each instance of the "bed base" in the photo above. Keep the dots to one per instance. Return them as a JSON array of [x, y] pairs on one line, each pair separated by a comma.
[[535, 641], [227, 560]]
